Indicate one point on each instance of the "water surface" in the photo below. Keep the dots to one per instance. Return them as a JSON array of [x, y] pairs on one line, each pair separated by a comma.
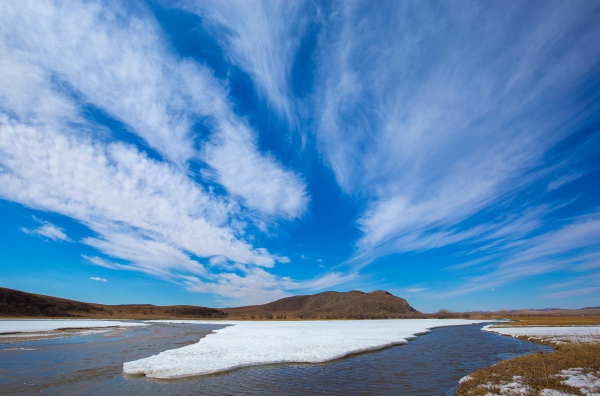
[[432, 364]]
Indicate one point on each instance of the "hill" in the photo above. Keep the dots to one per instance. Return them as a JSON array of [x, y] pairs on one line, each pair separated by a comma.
[[329, 305], [16, 304]]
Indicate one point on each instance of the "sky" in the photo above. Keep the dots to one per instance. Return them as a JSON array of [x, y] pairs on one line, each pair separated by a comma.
[[226, 153]]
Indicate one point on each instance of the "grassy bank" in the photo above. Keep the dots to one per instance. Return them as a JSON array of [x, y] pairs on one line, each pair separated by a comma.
[[551, 321], [572, 369]]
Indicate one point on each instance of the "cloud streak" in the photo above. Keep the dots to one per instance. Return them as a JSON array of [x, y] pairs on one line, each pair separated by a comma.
[[97, 279], [147, 213], [49, 231]]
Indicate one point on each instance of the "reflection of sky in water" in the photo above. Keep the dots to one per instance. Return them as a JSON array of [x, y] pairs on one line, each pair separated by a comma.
[[92, 364]]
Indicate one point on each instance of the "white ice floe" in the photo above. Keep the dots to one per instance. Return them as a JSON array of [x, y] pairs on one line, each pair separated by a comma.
[[19, 349], [248, 343], [551, 334], [24, 326]]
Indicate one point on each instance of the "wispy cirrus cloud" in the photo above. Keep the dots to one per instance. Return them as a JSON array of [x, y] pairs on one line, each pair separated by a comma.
[[431, 131], [328, 280], [569, 293], [442, 130], [263, 39], [146, 212], [431, 116], [127, 71], [48, 230], [574, 248]]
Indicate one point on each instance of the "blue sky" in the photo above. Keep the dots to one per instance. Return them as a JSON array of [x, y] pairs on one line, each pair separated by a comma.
[[236, 152]]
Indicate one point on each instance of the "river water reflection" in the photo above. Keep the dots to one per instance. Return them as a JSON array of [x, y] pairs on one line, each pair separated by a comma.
[[431, 364]]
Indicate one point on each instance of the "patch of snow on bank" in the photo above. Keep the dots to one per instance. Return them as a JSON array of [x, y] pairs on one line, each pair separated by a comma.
[[587, 383], [554, 392], [255, 343], [465, 379], [23, 326], [516, 387], [556, 335]]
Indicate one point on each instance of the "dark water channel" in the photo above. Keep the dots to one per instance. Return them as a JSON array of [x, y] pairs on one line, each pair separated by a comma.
[[432, 364]]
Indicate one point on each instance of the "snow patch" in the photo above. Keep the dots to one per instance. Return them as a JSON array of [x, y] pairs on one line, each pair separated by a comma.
[[25, 326], [587, 383], [555, 335], [255, 343], [516, 387], [554, 392]]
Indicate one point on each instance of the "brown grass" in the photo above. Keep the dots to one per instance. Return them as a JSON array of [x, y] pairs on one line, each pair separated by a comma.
[[552, 321], [538, 371]]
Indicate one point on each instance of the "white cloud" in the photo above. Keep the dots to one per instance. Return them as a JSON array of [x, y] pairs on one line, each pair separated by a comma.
[[573, 247], [563, 180], [114, 188], [328, 280], [49, 231], [416, 289], [569, 293], [97, 279], [147, 213], [258, 179], [439, 125], [560, 285], [262, 38], [403, 122], [256, 286], [126, 70]]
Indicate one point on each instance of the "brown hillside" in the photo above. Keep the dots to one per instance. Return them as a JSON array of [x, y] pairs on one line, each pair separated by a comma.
[[14, 304], [329, 305]]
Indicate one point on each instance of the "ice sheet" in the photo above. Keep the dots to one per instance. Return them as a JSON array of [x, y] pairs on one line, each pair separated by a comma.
[[16, 326], [552, 334], [248, 343]]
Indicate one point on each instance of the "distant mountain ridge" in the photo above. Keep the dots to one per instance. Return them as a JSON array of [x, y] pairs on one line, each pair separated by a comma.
[[330, 305], [15, 303], [326, 305]]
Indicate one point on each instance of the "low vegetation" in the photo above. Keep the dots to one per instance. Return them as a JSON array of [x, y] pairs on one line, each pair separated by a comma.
[[571, 369], [552, 321], [537, 373]]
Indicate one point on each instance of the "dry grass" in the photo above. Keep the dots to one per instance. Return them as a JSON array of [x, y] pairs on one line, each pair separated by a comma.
[[551, 321], [537, 371]]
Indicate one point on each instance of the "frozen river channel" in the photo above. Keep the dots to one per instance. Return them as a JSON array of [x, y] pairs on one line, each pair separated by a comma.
[[431, 364]]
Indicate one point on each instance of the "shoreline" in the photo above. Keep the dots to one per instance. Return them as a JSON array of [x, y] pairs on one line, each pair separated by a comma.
[[572, 368]]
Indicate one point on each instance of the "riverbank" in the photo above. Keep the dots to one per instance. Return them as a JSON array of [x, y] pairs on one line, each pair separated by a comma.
[[430, 364], [573, 368]]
